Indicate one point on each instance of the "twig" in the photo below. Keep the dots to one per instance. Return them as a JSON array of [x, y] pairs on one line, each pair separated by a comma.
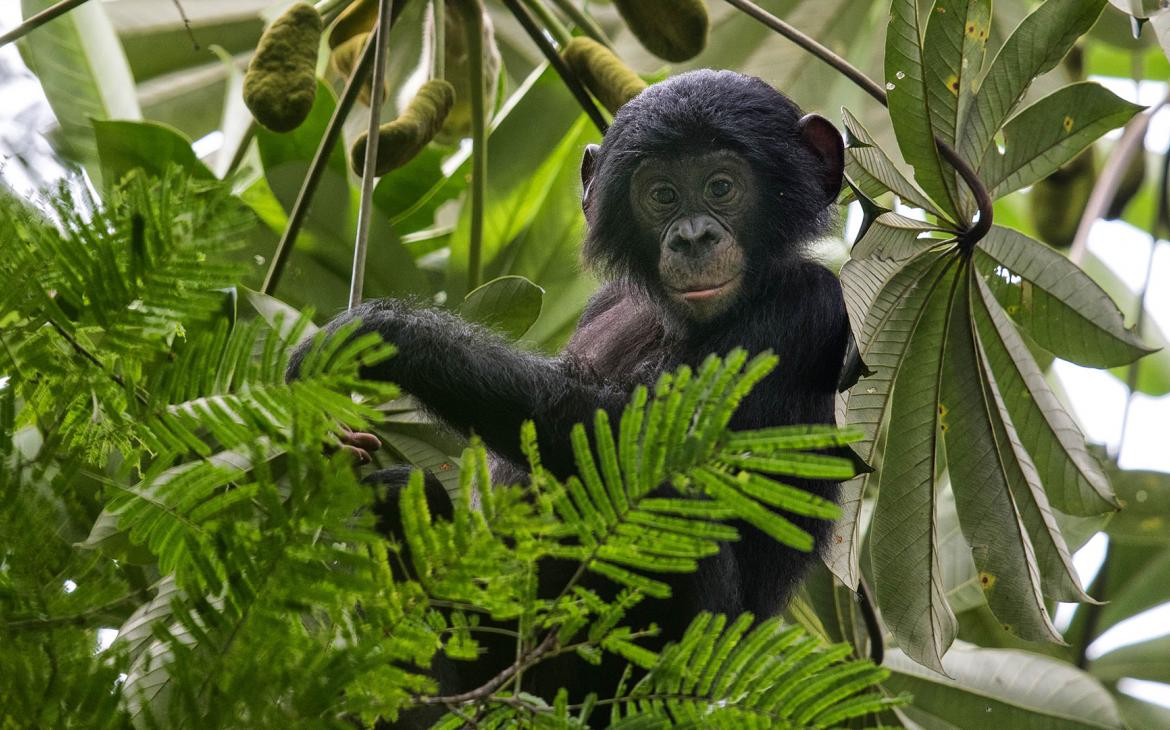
[[300, 210], [1105, 189], [366, 208], [39, 19], [810, 44], [486, 689], [439, 12], [973, 233], [567, 76], [186, 24], [93, 359]]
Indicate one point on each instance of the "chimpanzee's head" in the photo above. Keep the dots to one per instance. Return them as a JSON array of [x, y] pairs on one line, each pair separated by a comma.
[[702, 181]]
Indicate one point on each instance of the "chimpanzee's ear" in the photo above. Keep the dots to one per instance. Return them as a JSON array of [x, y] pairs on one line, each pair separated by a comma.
[[825, 142], [588, 162]]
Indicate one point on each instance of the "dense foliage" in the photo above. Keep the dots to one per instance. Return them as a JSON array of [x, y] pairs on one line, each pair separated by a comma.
[[160, 479]]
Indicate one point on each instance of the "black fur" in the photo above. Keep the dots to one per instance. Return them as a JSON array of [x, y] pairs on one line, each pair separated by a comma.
[[475, 382]]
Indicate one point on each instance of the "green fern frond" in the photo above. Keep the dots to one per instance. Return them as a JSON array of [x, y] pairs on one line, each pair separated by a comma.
[[617, 509], [773, 676]]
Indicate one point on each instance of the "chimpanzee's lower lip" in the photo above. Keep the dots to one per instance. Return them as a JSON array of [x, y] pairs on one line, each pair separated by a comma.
[[697, 295]]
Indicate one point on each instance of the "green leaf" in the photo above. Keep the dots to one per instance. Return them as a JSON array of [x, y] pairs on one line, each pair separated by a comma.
[[1061, 308], [904, 531], [868, 166], [1001, 688], [894, 236], [909, 103], [1145, 515], [279, 315], [1144, 590], [954, 48], [1072, 476], [541, 115], [1149, 660], [81, 67], [1052, 131], [1036, 46], [149, 146], [889, 325], [983, 466], [412, 194], [509, 304]]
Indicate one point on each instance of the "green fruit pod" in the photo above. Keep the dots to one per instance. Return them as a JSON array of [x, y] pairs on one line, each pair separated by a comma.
[[1059, 200], [359, 19], [602, 72], [673, 30], [345, 57], [281, 81], [401, 140]]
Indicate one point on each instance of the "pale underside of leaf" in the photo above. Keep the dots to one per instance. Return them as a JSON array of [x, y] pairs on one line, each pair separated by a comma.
[[894, 236], [982, 467], [903, 533], [868, 165], [1035, 46], [1051, 132], [1062, 309], [909, 103], [889, 323], [1058, 578], [1073, 478], [954, 49]]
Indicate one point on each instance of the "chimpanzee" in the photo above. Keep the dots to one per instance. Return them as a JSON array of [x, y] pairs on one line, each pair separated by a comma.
[[700, 202]]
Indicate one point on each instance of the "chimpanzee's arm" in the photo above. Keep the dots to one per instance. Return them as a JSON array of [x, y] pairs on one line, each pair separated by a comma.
[[474, 381]]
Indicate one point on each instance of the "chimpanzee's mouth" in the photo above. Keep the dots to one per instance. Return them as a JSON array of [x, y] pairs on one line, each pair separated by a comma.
[[702, 292]]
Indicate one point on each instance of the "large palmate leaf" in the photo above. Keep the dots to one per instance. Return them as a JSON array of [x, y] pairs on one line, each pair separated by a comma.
[[1002, 688], [872, 171], [1060, 307], [952, 375], [954, 48], [904, 540], [81, 67], [1037, 45], [910, 102], [1049, 133]]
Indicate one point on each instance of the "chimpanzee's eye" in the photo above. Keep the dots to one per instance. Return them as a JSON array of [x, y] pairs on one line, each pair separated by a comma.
[[720, 187], [664, 195]]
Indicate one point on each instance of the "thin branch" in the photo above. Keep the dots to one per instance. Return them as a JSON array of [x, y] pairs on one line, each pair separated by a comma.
[[39, 19], [1105, 189], [473, 32], [300, 210], [550, 21], [439, 16], [366, 208], [582, 20], [567, 76], [93, 359], [810, 44], [485, 690], [973, 233]]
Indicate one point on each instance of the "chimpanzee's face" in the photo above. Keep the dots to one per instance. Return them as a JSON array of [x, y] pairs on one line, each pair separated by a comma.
[[696, 210]]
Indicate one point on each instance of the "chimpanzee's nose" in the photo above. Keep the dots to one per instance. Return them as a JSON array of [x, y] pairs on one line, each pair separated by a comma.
[[694, 235]]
